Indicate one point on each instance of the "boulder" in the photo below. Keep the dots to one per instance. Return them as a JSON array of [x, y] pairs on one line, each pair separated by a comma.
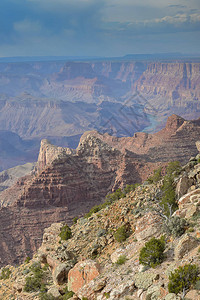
[[185, 245], [148, 226], [53, 290], [144, 280], [193, 295], [155, 292], [82, 273], [183, 185], [191, 211], [60, 273], [172, 296], [189, 199], [122, 290]]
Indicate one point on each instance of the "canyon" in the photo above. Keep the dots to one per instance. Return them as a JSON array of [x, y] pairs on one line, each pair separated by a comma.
[[61, 100], [66, 182]]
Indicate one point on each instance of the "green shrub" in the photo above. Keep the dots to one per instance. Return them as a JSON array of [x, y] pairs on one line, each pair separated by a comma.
[[121, 260], [33, 282], [174, 226], [173, 168], [45, 296], [110, 198], [93, 210], [118, 194], [156, 176], [168, 201], [75, 219], [120, 234], [65, 233], [107, 295], [27, 260], [45, 267], [130, 187], [182, 279], [152, 254], [5, 273], [68, 295]]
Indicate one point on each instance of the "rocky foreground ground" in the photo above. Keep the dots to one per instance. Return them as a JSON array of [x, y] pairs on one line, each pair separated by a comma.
[[95, 264]]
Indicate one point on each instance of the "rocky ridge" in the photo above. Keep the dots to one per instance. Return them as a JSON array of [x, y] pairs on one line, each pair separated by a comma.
[[67, 183], [88, 262]]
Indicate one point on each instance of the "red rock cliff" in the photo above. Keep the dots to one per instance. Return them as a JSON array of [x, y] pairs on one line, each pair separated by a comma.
[[68, 183]]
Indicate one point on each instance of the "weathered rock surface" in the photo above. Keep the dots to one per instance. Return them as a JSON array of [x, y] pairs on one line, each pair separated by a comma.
[[69, 182], [81, 274], [185, 245], [60, 273], [148, 226], [144, 280], [128, 280]]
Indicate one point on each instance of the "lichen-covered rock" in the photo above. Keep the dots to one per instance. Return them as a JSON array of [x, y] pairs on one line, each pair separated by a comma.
[[122, 290], [185, 245], [155, 292], [172, 296], [82, 273], [144, 280], [54, 292]]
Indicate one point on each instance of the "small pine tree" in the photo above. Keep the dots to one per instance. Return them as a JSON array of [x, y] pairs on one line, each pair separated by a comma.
[[118, 194], [121, 234], [130, 187], [156, 176], [182, 279], [152, 254], [65, 233], [168, 201]]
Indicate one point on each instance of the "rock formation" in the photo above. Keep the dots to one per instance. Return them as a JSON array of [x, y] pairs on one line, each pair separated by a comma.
[[67, 183], [94, 264], [56, 100]]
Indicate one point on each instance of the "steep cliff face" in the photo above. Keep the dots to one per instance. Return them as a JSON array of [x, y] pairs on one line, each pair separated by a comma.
[[170, 85], [67, 183]]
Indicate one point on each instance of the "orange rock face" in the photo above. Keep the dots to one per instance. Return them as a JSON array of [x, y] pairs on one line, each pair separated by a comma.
[[82, 273]]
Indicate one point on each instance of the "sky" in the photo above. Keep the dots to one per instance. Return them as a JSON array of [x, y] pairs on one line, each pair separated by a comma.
[[98, 27]]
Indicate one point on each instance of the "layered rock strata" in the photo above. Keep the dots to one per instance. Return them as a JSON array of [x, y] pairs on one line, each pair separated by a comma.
[[67, 183]]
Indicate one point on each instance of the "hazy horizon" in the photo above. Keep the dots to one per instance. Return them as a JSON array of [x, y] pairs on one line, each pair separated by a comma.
[[98, 28]]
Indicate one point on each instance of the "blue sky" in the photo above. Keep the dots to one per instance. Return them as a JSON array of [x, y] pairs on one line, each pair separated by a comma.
[[98, 27]]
